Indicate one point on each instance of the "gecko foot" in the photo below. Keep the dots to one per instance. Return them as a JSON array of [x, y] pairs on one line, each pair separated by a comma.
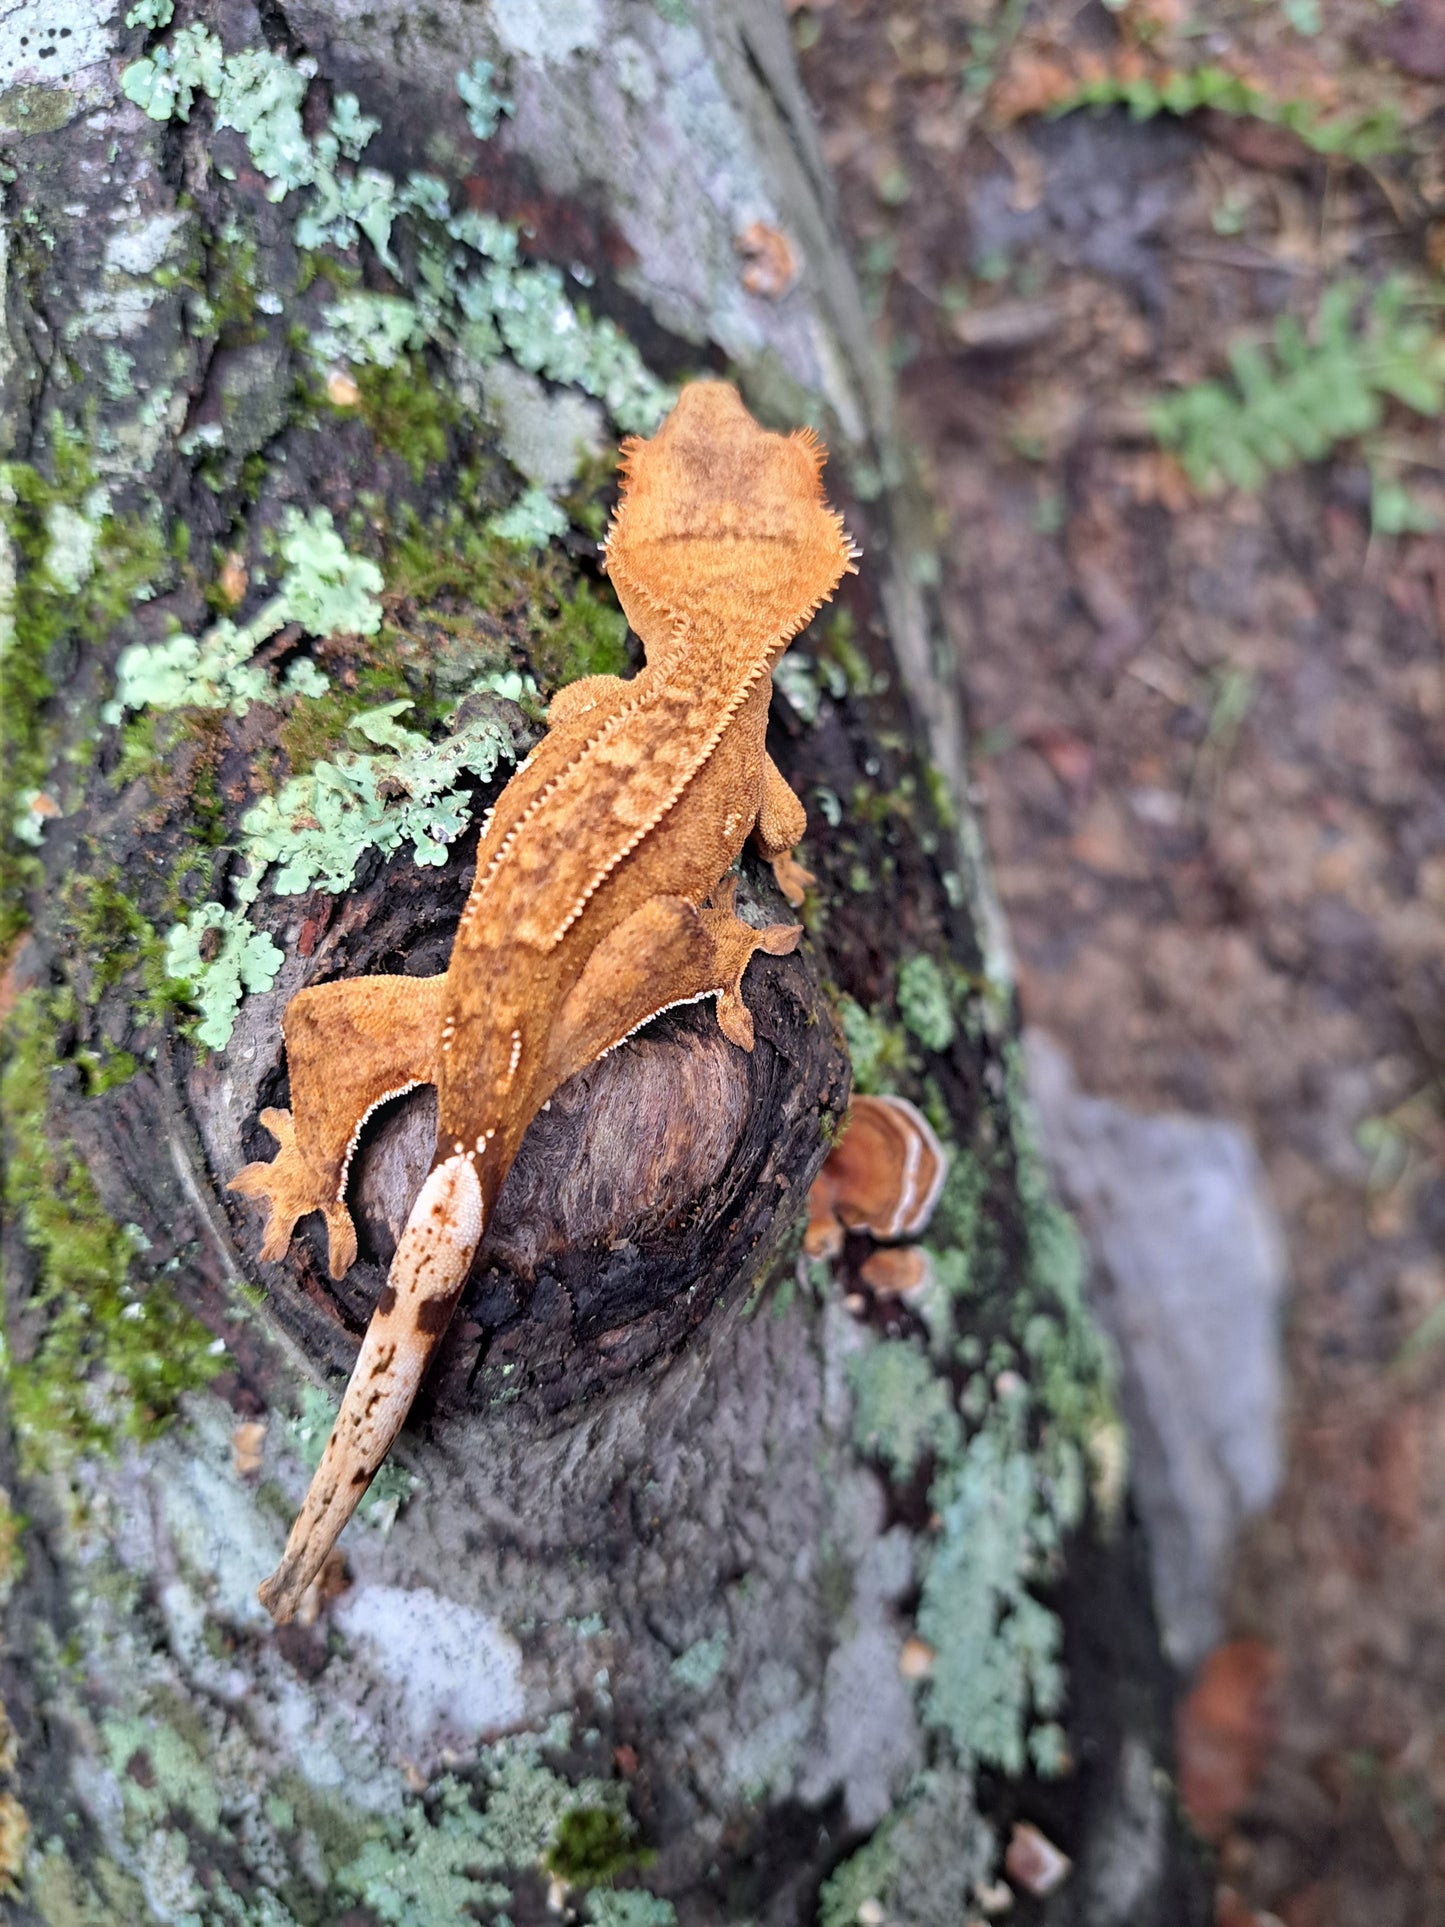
[[792, 878], [293, 1190], [734, 943]]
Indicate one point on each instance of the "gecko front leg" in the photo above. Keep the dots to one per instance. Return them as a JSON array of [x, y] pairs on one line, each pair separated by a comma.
[[782, 822]]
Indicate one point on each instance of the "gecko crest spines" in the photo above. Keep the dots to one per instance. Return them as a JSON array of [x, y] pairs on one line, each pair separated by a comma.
[[355, 1138], [645, 829]]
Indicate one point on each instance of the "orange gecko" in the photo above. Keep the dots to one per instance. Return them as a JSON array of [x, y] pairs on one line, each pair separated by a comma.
[[601, 897]]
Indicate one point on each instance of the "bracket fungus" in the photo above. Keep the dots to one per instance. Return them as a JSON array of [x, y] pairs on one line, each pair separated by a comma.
[[883, 1176]]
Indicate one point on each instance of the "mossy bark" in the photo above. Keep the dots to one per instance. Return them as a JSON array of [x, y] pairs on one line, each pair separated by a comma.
[[640, 1528]]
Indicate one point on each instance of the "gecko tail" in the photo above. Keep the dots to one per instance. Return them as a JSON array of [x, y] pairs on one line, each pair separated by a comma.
[[411, 1317]]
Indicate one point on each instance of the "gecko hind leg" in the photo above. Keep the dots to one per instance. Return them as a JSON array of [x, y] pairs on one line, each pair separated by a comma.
[[349, 1046], [782, 823], [667, 953]]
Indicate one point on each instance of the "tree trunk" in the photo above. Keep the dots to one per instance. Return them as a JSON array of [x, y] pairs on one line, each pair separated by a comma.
[[708, 1583]]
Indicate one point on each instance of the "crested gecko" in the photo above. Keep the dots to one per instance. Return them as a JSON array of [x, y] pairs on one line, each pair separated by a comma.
[[601, 898]]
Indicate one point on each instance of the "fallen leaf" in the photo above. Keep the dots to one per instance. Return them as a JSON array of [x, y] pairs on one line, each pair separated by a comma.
[[895, 1271], [247, 1441], [772, 265], [1223, 1732], [232, 579], [915, 1659], [1033, 1862], [1414, 39]]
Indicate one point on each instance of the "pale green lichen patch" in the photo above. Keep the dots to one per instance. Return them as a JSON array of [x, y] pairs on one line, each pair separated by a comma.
[[1003, 1509], [325, 589], [631, 1909], [902, 1410], [923, 1864], [924, 1003], [437, 1864], [317, 828], [531, 522], [484, 103], [218, 972], [878, 1049], [1002, 1408], [701, 1666]]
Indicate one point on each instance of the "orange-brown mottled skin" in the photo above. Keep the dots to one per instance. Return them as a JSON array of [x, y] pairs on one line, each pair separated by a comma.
[[599, 901]]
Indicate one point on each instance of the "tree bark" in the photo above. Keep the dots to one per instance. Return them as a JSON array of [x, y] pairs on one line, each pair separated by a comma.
[[643, 1615]]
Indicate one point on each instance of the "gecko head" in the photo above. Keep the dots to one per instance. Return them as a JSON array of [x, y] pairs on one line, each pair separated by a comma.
[[720, 517]]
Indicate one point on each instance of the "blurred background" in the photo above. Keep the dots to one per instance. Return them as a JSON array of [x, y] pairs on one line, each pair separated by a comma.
[[1162, 285]]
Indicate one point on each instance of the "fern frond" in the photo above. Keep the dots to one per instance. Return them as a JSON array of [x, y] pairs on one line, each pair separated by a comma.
[[1295, 400], [1362, 136]]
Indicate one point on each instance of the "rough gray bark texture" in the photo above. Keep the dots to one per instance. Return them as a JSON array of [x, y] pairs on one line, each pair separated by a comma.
[[625, 1635]]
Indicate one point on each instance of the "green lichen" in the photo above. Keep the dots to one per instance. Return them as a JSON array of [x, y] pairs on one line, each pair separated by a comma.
[[217, 974], [1002, 1509], [369, 330], [922, 1865], [701, 1666], [94, 1356], [532, 521], [878, 1050], [324, 588], [924, 1003], [159, 1773], [165, 83], [902, 1409], [630, 1909], [794, 676], [484, 104], [318, 827], [440, 1861]]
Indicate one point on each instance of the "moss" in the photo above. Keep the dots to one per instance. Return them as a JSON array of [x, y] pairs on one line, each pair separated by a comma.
[[113, 942], [314, 727], [408, 410], [586, 637], [101, 1358], [12, 1568], [455, 572], [229, 310], [594, 1844], [123, 555]]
